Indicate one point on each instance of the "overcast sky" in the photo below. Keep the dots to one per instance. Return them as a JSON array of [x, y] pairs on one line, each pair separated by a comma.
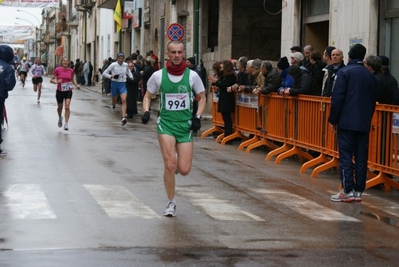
[[9, 14]]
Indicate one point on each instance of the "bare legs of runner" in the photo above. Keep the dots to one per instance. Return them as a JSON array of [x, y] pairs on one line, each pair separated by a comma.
[[182, 162]]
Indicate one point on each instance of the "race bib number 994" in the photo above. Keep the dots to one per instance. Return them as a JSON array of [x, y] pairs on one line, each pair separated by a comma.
[[175, 102]]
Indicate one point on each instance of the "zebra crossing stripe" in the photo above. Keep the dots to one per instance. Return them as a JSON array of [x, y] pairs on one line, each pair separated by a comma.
[[118, 202], [218, 209], [304, 206], [27, 201]]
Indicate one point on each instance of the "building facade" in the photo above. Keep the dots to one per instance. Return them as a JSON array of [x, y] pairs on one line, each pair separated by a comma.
[[223, 29]]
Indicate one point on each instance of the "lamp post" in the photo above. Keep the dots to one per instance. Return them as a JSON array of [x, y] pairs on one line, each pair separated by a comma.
[[38, 21], [29, 39]]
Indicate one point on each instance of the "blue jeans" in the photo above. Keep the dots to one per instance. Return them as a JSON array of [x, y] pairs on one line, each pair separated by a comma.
[[353, 145], [86, 75]]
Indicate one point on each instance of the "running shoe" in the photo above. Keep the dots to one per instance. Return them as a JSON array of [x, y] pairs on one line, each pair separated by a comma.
[[343, 197], [38, 101], [60, 122], [357, 195], [124, 121], [66, 127], [170, 210], [3, 153]]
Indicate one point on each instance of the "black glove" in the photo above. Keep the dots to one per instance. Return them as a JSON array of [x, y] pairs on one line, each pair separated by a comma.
[[195, 124], [116, 76], [146, 117]]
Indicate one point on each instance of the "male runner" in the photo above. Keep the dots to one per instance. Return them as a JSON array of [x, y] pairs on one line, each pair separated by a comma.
[[176, 123], [117, 72], [23, 70]]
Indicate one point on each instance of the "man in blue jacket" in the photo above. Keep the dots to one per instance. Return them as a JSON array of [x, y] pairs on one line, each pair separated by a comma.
[[352, 107], [7, 80]]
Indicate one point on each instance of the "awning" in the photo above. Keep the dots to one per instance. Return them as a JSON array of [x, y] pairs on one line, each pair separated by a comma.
[[59, 51]]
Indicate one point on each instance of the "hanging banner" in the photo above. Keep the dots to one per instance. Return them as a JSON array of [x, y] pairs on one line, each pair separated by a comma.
[[16, 34], [30, 3], [128, 9], [136, 20]]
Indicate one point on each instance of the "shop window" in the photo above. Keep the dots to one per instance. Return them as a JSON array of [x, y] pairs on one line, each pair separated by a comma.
[[393, 4], [317, 7]]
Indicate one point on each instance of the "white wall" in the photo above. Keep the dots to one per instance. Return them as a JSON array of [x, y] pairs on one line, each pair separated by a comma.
[[355, 19], [290, 26], [105, 28]]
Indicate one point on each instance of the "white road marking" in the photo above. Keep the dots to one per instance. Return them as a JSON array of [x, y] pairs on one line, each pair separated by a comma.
[[216, 208], [304, 206], [118, 202], [28, 201]]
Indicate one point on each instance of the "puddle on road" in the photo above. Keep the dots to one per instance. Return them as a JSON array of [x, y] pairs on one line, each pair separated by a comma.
[[382, 218]]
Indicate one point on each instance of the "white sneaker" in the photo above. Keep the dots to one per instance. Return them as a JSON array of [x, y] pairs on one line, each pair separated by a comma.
[[170, 210], [66, 127], [3, 154], [38, 101], [60, 122]]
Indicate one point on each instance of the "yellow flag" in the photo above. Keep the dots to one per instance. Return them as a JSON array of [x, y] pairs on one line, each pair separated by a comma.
[[118, 16]]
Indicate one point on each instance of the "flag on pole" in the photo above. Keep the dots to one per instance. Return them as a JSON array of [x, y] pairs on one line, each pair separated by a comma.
[[118, 16]]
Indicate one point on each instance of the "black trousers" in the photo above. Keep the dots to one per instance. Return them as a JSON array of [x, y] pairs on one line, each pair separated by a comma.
[[228, 123], [1, 118], [353, 145]]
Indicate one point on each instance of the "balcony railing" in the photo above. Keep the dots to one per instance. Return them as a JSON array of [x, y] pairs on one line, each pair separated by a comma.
[[82, 5]]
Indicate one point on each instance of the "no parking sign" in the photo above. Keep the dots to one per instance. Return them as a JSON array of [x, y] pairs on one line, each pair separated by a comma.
[[175, 32]]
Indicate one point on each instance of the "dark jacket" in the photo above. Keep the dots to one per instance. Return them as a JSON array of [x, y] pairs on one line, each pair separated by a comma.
[[286, 80], [226, 102], [305, 84], [394, 83], [272, 82], [242, 78], [331, 72], [386, 93], [316, 71], [7, 74], [354, 97]]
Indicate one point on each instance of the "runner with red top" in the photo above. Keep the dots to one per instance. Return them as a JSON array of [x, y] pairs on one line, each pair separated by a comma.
[[64, 78]]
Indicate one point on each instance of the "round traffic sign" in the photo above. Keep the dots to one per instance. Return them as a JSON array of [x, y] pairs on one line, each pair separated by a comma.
[[175, 32]]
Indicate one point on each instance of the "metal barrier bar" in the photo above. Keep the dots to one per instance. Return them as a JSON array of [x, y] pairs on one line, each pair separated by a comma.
[[295, 125], [217, 119]]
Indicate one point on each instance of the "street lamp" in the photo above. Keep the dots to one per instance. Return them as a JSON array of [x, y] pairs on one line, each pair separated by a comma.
[[19, 10], [28, 39], [33, 25]]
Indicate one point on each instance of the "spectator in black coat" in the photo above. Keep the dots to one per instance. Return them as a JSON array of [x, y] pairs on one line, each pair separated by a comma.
[[392, 81], [147, 72], [303, 82], [132, 87], [385, 93], [316, 68], [226, 104]]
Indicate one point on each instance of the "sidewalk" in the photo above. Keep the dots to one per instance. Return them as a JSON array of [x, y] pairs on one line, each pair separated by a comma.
[[97, 88]]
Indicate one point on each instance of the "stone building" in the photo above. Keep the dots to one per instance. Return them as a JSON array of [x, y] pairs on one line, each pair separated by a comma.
[[343, 23], [224, 29]]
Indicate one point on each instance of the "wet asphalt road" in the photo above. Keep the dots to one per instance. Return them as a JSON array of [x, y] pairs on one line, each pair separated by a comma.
[[94, 196]]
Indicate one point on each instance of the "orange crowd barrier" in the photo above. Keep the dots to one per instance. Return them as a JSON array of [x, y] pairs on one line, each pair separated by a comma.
[[299, 126], [217, 120]]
